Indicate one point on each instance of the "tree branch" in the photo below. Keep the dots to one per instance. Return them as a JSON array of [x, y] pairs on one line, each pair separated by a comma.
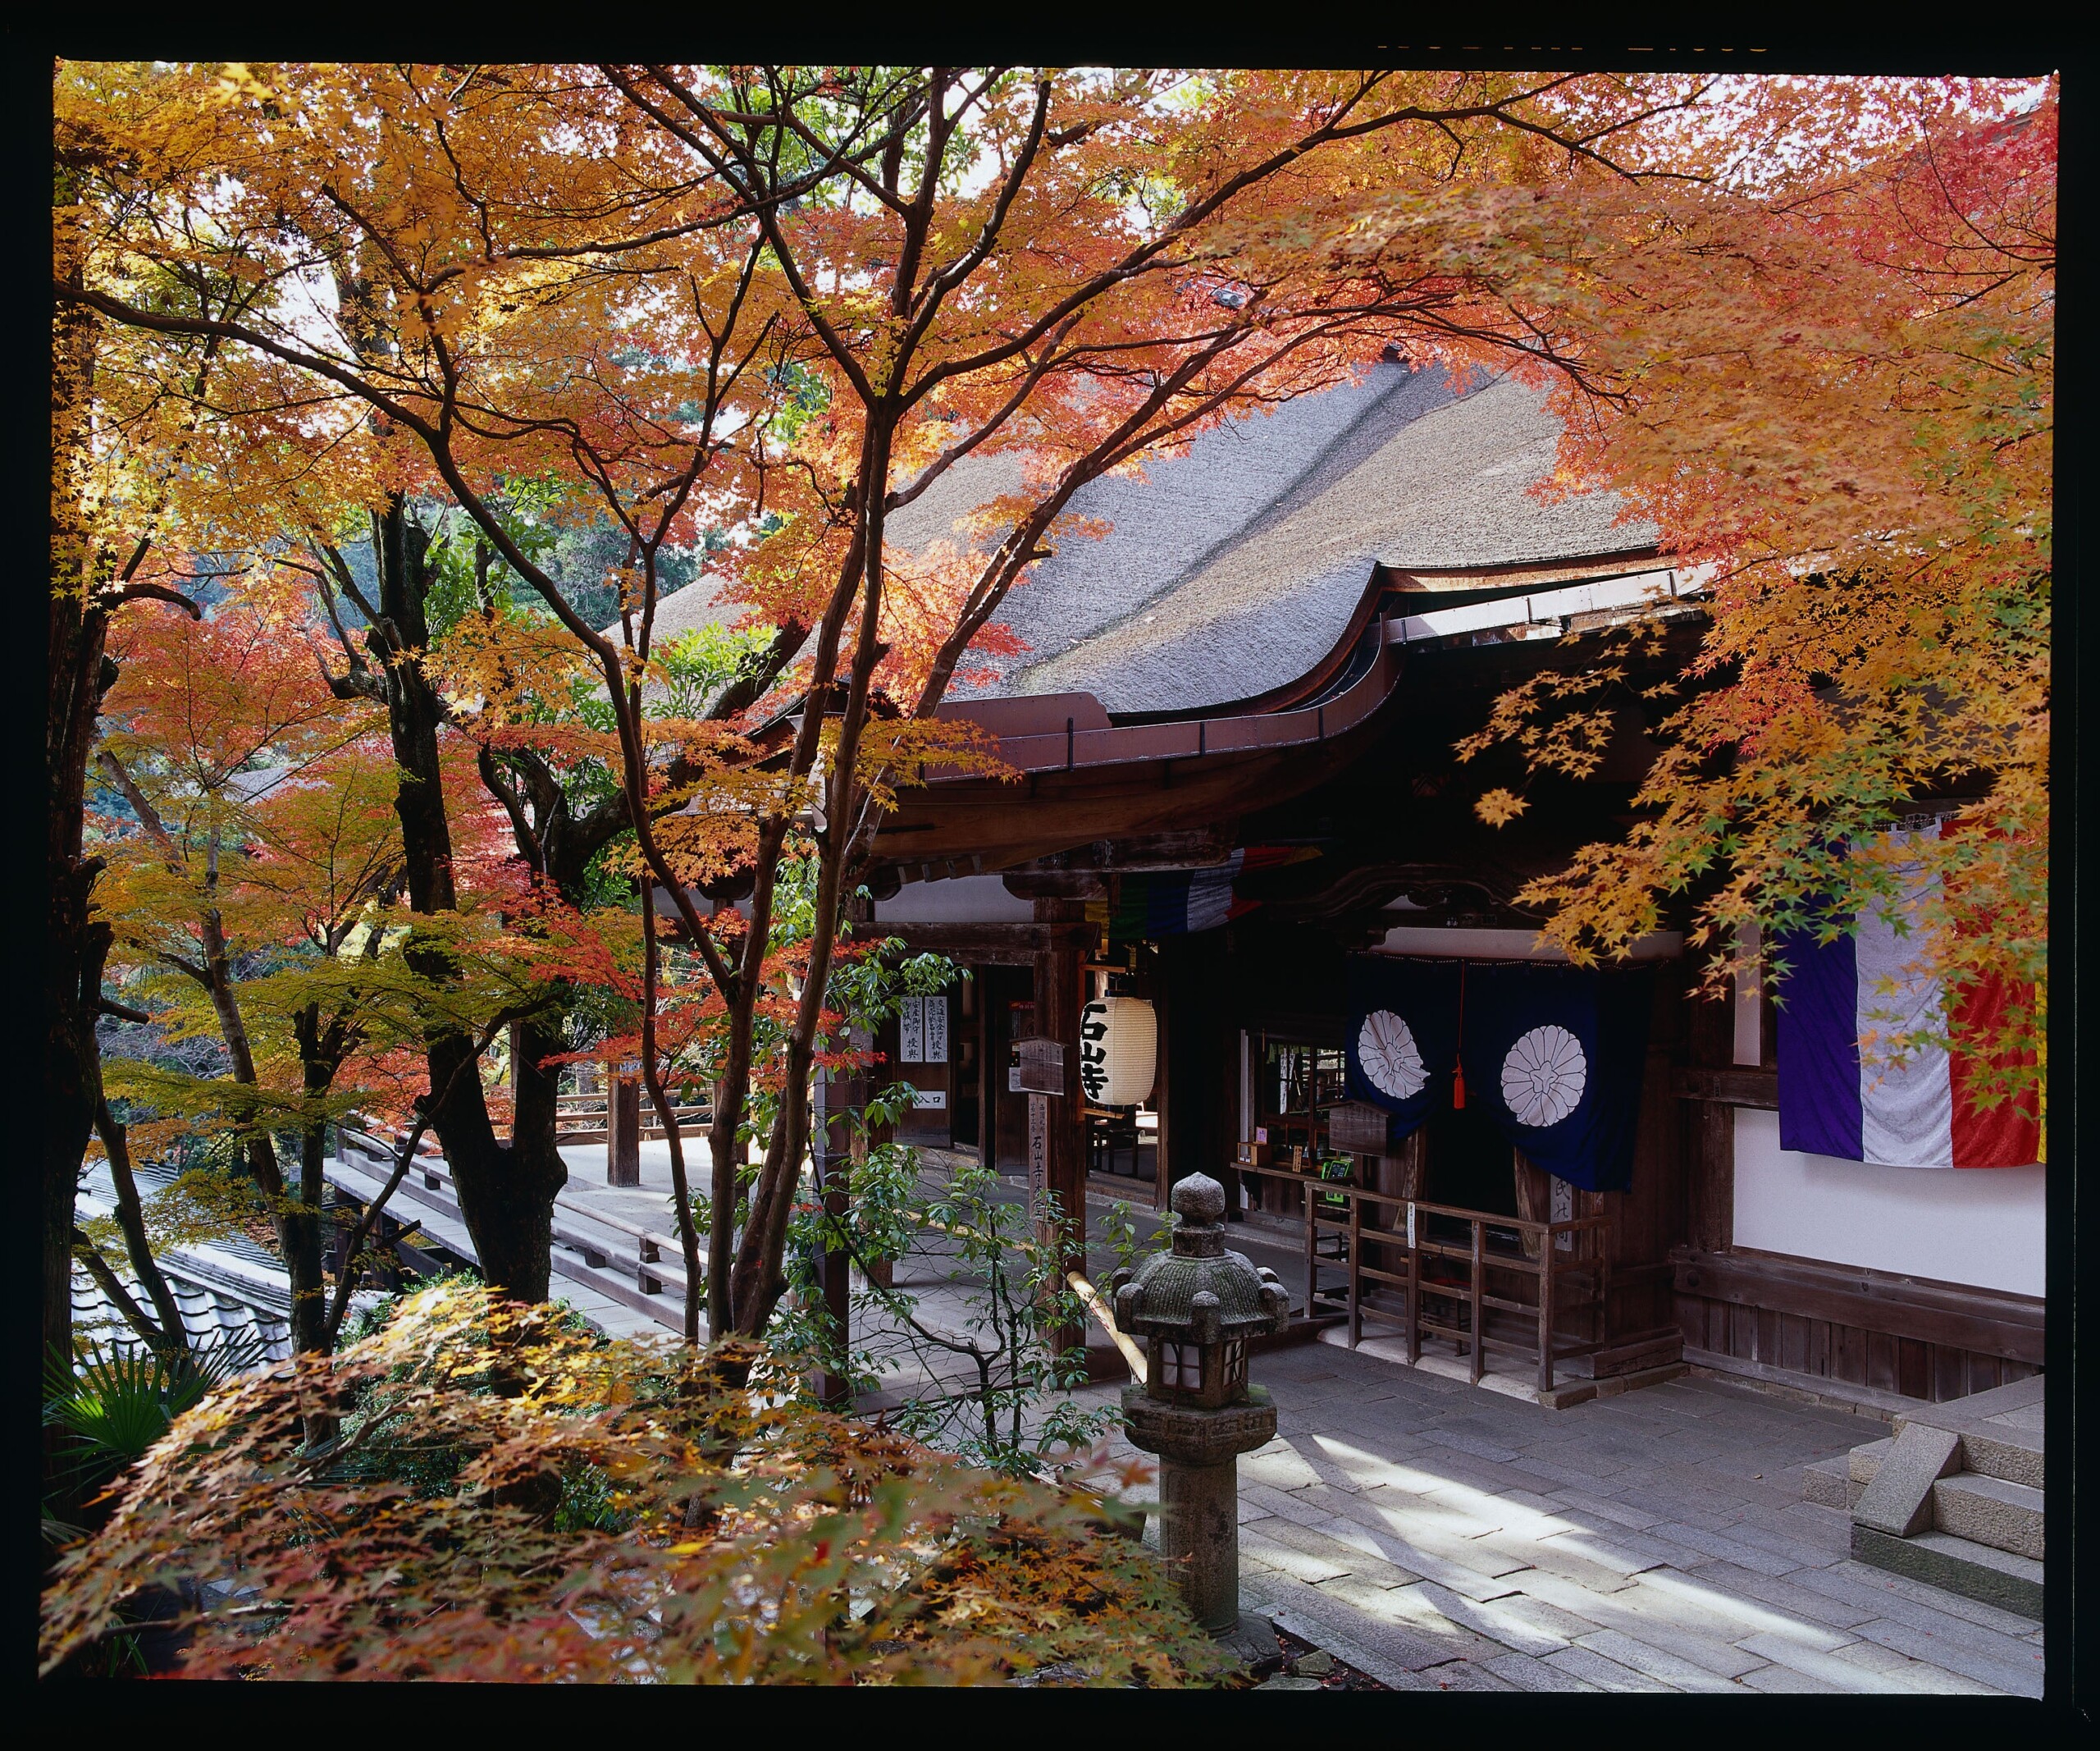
[[107, 1280], [130, 1218]]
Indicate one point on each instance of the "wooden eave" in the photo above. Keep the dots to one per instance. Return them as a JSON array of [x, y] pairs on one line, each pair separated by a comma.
[[1390, 588], [1150, 773]]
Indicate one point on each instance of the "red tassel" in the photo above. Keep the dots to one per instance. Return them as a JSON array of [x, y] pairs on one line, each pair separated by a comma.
[[1458, 1064]]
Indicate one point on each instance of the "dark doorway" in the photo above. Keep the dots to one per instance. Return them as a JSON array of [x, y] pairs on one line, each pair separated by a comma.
[[1469, 1161], [1008, 997], [966, 1067]]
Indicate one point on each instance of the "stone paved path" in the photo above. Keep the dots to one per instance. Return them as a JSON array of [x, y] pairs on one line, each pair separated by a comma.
[[1438, 1536]]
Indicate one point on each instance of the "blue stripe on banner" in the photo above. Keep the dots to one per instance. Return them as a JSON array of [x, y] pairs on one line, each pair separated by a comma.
[[1818, 1048], [1166, 906]]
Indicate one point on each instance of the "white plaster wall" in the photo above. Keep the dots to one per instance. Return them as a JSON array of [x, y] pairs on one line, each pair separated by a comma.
[[1982, 1227], [963, 899]]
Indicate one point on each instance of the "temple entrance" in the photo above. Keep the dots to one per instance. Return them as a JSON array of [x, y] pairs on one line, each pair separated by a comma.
[[1469, 1162]]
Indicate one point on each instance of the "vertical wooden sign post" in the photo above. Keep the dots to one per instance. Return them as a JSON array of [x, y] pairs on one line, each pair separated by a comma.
[[1039, 1150], [1060, 976]]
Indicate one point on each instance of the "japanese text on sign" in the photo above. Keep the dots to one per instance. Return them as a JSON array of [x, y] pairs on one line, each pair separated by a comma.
[[1039, 1148]]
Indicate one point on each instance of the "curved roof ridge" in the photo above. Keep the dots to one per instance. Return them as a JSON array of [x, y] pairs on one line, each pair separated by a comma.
[[1291, 495]]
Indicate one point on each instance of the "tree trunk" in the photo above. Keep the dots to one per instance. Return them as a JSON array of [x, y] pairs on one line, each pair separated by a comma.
[[506, 1190], [299, 1238], [74, 948]]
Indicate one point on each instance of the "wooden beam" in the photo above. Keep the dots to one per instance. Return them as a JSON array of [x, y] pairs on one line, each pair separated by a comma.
[[1051, 813], [1060, 970], [1736, 1088], [992, 944]]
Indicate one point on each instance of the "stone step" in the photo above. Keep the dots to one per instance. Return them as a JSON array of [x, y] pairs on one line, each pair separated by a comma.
[[1862, 1462], [1990, 1511], [1898, 1499], [1839, 1483], [1993, 1450], [2001, 1429], [1829, 1484], [1957, 1565]]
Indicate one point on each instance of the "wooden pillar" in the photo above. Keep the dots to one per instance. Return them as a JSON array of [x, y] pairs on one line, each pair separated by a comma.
[[990, 1074], [1712, 1190], [1710, 1133], [1060, 974], [623, 1133]]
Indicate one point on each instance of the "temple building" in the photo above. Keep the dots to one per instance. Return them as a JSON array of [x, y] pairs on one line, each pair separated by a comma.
[[1241, 812]]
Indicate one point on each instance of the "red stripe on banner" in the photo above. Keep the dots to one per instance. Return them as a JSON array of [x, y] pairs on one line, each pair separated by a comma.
[[2008, 1134]]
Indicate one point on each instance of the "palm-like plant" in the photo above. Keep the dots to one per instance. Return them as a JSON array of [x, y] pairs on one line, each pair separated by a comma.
[[111, 1405]]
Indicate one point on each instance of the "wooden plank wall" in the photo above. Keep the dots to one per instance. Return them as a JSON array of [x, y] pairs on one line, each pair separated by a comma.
[[1856, 1327], [1649, 1218]]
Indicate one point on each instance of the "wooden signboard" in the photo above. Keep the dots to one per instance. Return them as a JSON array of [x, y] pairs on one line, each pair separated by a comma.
[[1357, 1126], [937, 1030], [912, 1032], [1042, 1066]]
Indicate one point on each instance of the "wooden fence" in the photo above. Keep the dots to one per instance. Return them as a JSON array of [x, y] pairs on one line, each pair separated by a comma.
[[587, 1118], [1516, 1297]]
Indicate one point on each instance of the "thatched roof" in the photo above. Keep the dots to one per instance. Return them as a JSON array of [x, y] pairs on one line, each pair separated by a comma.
[[1234, 569]]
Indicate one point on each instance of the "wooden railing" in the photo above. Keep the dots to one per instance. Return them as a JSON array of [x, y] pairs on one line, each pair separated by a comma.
[[587, 1118], [1566, 1260]]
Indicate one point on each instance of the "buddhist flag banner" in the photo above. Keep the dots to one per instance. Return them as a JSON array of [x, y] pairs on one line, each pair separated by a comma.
[[1402, 1036], [1556, 1054], [1844, 1092], [1172, 903]]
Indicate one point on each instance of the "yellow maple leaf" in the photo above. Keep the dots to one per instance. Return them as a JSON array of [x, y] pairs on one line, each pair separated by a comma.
[[1499, 808]]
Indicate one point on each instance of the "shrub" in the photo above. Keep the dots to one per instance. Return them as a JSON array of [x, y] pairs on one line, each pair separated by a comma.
[[576, 1507]]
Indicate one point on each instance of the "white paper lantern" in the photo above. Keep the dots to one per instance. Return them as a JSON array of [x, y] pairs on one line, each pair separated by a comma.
[[1119, 1050]]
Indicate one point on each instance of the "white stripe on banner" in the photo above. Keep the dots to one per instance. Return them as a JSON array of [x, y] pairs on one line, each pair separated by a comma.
[[1906, 1110], [1210, 893]]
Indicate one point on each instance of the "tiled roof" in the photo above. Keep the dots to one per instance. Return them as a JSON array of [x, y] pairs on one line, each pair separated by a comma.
[[229, 1289], [211, 1314], [1234, 569]]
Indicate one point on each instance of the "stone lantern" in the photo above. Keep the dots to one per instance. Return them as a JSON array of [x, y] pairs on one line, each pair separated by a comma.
[[1196, 1308]]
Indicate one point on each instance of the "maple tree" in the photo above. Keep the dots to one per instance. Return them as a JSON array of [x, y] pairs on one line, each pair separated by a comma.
[[1067, 274], [803, 295], [117, 486], [508, 1497], [1828, 380], [248, 894]]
